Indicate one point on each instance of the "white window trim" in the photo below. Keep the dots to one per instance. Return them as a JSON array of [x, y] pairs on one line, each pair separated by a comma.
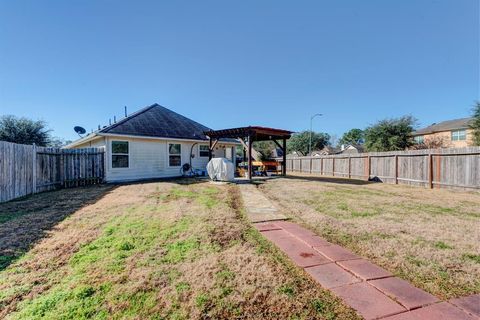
[[168, 154], [457, 132], [121, 154], [419, 139], [206, 145]]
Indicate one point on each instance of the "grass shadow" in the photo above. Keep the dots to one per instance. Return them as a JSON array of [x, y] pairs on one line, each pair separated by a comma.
[[25, 221], [330, 180]]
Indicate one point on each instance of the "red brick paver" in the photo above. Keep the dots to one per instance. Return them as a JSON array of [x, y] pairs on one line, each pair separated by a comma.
[[297, 250], [331, 275], [372, 291], [368, 301], [470, 304], [364, 269], [403, 292], [336, 253], [438, 311]]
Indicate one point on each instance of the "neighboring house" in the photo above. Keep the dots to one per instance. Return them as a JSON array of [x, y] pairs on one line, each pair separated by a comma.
[[352, 149], [154, 143], [327, 150], [454, 133]]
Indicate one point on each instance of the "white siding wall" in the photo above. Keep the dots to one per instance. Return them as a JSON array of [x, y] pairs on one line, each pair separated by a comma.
[[148, 158]]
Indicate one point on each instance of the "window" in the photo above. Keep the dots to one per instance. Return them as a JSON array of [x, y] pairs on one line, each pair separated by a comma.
[[174, 154], [203, 150], [458, 135], [418, 139], [119, 154]]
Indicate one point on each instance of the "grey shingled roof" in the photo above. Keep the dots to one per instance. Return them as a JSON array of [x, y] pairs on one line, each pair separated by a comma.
[[445, 126], [158, 121]]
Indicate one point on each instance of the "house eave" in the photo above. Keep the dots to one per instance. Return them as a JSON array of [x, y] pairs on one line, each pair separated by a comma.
[[162, 138]]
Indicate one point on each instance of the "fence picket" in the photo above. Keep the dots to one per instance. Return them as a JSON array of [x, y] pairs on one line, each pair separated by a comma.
[[27, 169], [439, 168]]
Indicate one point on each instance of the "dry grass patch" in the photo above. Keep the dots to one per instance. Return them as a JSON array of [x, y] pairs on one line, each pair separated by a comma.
[[429, 237], [168, 250]]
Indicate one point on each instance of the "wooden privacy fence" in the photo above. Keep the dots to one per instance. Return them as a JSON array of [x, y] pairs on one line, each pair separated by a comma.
[[27, 169], [450, 168]]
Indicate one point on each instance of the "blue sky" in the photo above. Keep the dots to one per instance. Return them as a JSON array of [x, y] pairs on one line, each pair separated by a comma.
[[226, 63]]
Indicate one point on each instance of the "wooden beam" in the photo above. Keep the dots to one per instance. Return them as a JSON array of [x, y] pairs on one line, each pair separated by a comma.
[[284, 156], [250, 142], [210, 148], [278, 144]]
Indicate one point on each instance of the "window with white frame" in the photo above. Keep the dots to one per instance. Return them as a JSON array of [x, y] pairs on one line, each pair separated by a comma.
[[203, 150], [174, 154], [119, 154], [418, 139], [459, 135]]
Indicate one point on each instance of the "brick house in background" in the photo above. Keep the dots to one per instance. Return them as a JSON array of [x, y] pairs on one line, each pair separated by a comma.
[[454, 133]]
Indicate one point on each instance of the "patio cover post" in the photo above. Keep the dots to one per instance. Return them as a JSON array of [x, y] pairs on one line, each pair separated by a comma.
[[284, 156], [210, 149], [250, 157]]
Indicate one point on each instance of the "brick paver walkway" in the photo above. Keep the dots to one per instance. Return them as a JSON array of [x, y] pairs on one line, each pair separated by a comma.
[[372, 291]]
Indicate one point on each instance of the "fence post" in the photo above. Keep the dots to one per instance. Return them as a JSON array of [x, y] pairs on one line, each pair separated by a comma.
[[396, 169], [34, 169], [368, 167], [430, 171], [439, 171], [333, 167], [311, 160], [349, 167], [321, 166]]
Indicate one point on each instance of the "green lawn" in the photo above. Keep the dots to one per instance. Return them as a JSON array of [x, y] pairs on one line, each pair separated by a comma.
[[164, 250]]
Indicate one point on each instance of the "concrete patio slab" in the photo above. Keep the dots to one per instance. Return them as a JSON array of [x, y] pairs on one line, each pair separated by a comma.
[[336, 253], [258, 207], [403, 292], [438, 311], [331, 275], [368, 301], [470, 304], [364, 269]]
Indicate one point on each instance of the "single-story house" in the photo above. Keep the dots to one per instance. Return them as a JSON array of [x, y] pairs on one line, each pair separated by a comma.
[[455, 133], [352, 149], [154, 142], [327, 150]]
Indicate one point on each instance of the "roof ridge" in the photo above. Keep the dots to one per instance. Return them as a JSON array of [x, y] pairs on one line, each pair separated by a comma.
[[131, 116]]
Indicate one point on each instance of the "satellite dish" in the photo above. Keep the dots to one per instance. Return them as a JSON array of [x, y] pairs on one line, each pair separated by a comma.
[[79, 130]]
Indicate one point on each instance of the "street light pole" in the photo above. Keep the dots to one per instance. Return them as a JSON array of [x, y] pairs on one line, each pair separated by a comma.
[[311, 121]]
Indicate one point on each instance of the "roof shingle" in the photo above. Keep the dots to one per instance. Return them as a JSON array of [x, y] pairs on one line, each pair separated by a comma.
[[445, 126], [158, 121]]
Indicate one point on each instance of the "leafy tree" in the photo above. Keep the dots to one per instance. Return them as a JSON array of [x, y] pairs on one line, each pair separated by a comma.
[[476, 124], [390, 134], [24, 131], [265, 148], [57, 142], [354, 136], [300, 141]]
